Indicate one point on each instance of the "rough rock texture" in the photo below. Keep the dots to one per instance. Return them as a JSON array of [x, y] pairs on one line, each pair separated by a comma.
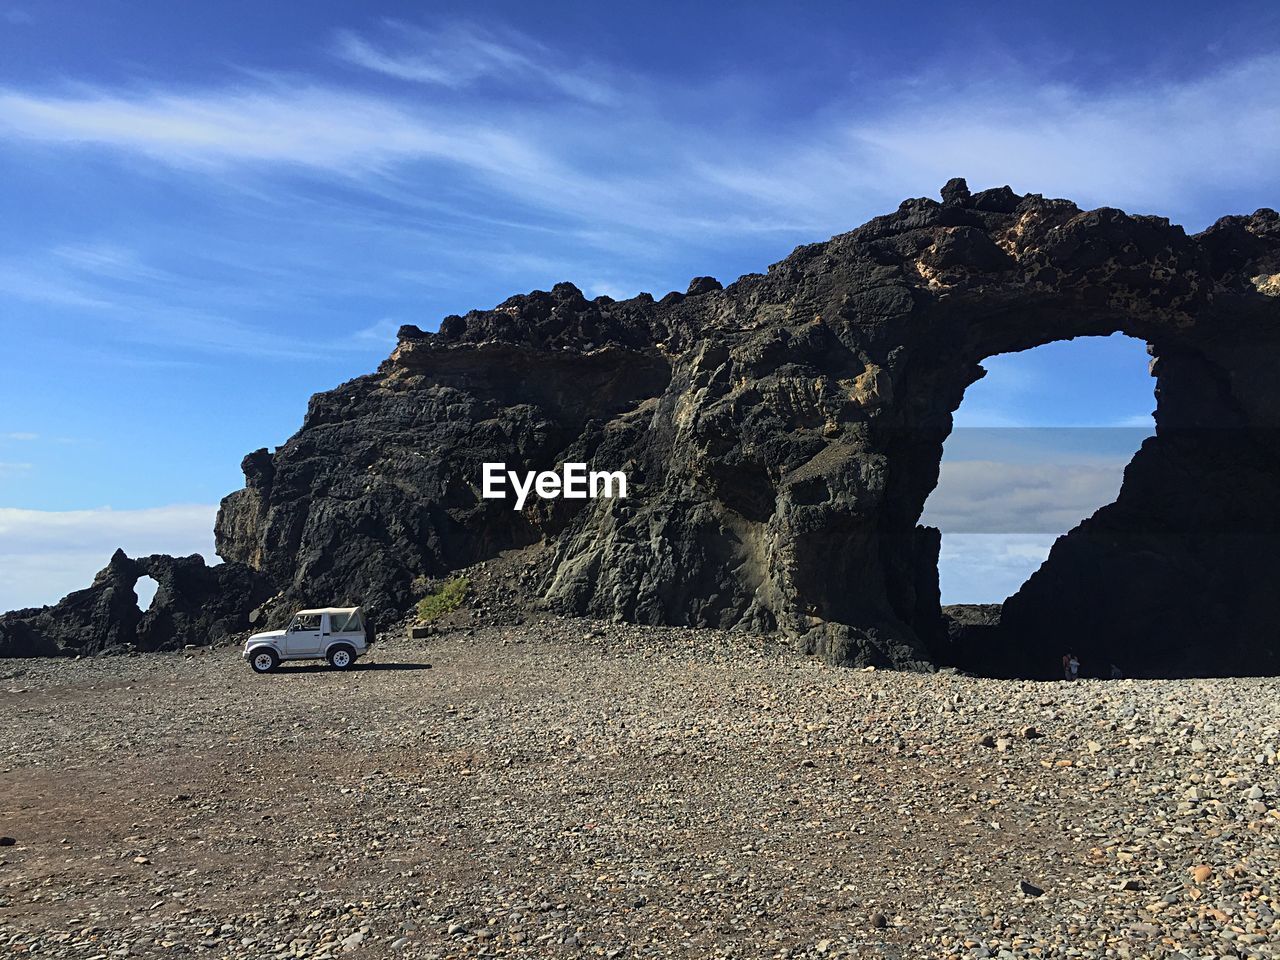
[[780, 436], [193, 604]]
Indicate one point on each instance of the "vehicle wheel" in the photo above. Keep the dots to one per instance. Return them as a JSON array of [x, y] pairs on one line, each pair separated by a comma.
[[264, 661], [341, 658]]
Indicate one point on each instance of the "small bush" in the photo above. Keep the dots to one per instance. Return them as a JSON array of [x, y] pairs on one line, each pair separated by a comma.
[[446, 600]]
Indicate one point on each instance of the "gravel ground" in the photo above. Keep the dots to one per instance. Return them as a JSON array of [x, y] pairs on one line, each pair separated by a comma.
[[578, 789]]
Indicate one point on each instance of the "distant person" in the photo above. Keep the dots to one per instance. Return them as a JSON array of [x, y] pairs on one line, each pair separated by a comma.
[[1115, 673], [1070, 667]]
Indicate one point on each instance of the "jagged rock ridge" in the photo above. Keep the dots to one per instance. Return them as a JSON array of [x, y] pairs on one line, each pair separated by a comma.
[[194, 604], [780, 437]]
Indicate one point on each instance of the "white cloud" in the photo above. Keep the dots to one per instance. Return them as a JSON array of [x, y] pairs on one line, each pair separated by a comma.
[[1143, 145], [10, 468], [20, 436], [109, 261], [459, 54], [159, 308], [989, 568], [1004, 496], [46, 554], [31, 286], [306, 126], [643, 167], [976, 496], [1142, 141]]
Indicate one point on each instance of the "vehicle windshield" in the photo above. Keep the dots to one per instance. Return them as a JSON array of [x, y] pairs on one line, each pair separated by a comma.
[[346, 622]]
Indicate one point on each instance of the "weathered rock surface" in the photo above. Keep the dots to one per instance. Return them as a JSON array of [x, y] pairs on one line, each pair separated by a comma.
[[780, 436], [193, 604]]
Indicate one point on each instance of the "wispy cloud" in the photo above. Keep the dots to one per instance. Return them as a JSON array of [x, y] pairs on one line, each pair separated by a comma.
[[607, 288], [19, 435], [46, 554], [1138, 420], [37, 286], [9, 468], [109, 261], [641, 167], [645, 168], [459, 54], [300, 125], [382, 333], [177, 313], [1141, 144]]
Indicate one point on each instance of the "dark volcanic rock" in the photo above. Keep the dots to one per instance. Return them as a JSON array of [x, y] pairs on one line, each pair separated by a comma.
[[193, 604], [780, 436], [969, 631]]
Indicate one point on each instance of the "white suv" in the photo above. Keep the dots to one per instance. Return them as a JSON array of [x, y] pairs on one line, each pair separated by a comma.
[[336, 634]]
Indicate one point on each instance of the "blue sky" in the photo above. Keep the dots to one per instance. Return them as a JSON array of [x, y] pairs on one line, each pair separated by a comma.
[[215, 210]]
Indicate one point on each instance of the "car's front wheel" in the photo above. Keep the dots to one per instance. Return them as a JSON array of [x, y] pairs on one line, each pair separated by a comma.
[[264, 661], [341, 658]]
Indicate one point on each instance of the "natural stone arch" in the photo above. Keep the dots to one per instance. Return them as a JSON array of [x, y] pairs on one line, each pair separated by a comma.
[[193, 604], [1167, 579], [783, 452], [1040, 442], [781, 436]]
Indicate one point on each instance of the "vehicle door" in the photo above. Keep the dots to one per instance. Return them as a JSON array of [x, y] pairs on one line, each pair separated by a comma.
[[303, 638], [348, 626]]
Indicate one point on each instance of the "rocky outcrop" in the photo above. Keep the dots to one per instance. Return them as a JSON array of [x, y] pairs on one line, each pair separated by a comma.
[[193, 604], [780, 436], [969, 632]]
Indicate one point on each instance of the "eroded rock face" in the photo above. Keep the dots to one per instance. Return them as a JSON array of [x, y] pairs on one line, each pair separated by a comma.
[[780, 436], [193, 604]]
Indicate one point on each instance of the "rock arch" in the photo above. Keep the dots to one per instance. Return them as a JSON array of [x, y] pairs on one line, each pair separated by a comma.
[[783, 456], [781, 435], [193, 604], [1175, 576]]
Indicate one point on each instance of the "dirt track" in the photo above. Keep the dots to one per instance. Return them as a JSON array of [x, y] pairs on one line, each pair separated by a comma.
[[574, 789]]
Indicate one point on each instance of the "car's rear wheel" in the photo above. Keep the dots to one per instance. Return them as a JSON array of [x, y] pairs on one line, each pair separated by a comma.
[[341, 658], [264, 661]]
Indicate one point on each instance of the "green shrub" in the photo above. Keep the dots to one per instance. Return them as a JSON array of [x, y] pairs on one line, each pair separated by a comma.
[[447, 599]]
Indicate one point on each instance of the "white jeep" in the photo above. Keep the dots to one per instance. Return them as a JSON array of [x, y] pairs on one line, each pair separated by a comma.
[[336, 634]]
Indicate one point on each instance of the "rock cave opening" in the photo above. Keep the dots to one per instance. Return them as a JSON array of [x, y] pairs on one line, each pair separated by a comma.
[[1038, 444], [145, 590]]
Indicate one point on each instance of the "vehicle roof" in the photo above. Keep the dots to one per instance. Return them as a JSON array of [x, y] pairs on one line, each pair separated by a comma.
[[330, 610]]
